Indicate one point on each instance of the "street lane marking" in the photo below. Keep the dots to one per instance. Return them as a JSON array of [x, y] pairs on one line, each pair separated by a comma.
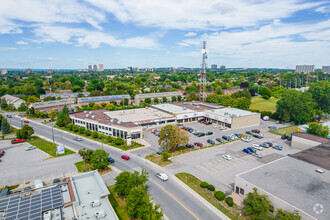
[[177, 201]]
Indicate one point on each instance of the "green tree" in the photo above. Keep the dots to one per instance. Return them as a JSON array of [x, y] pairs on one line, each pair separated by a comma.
[[119, 141], [218, 91], [156, 100], [174, 99], [242, 103], [76, 89], [4, 104], [147, 100], [99, 159], [318, 129], [321, 94], [265, 92], [257, 206], [179, 98], [5, 126], [125, 181], [49, 98], [52, 114], [63, 117], [140, 206], [95, 134], [170, 136], [85, 154], [25, 132], [81, 130], [22, 107], [295, 106], [32, 99], [283, 214]]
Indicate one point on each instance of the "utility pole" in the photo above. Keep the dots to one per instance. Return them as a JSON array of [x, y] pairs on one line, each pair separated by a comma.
[[202, 91], [53, 135]]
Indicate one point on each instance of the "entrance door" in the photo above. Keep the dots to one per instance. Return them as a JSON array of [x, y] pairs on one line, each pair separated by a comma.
[[237, 189]]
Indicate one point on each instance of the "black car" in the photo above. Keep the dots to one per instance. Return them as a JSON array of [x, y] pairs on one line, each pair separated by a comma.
[[9, 116], [201, 121], [190, 146], [225, 137], [201, 134], [290, 138], [219, 140], [111, 160], [210, 141], [251, 149], [209, 133], [56, 180], [249, 132], [257, 136], [237, 135], [284, 137]]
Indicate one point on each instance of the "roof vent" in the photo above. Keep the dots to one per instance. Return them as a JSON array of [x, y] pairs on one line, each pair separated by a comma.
[[85, 111], [87, 116], [120, 122], [91, 113], [93, 116]]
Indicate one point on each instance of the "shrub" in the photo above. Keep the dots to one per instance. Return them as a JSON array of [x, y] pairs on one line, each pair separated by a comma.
[[219, 195], [69, 126], [165, 155], [81, 130], [204, 184], [101, 136], [109, 139], [75, 128], [88, 132], [119, 141], [229, 201], [211, 187], [95, 134]]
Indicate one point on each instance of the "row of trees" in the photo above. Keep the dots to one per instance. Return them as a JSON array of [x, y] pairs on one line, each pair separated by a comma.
[[98, 159], [4, 125]]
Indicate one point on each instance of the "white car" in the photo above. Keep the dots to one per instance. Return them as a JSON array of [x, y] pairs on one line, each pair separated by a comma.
[[257, 155], [31, 147], [78, 139], [257, 147], [227, 157], [246, 139], [223, 128], [216, 126], [162, 176]]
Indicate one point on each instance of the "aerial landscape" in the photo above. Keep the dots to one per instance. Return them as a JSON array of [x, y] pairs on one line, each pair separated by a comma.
[[165, 110]]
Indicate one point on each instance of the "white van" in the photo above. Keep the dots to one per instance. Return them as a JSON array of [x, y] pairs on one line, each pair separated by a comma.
[[265, 118], [38, 184]]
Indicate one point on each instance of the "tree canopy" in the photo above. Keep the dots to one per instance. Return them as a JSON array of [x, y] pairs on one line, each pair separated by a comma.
[[171, 136], [318, 129], [257, 206], [125, 181], [321, 94]]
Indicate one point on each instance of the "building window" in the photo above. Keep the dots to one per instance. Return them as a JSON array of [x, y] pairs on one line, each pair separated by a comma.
[[241, 191]]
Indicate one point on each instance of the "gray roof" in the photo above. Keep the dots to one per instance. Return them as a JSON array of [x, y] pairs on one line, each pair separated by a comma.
[[154, 95], [103, 98], [75, 94], [48, 104], [294, 181], [11, 99]]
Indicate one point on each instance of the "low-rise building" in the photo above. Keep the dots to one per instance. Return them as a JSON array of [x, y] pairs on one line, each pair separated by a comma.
[[305, 141], [72, 96], [152, 96], [81, 196], [10, 99], [57, 105], [104, 99]]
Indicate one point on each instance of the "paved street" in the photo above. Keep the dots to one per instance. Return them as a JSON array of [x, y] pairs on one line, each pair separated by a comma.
[[175, 201]]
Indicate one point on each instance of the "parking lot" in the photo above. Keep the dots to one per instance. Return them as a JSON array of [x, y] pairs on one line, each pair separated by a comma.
[[20, 166]]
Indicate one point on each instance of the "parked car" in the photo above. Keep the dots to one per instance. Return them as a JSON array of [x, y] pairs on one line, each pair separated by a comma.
[[249, 132], [78, 139], [162, 176], [265, 145], [284, 137], [257, 155], [223, 128], [257, 147], [199, 144], [247, 151], [226, 137], [9, 116], [201, 134], [2, 151], [201, 121], [219, 140], [31, 147], [246, 139], [256, 131], [251, 149], [111, 160], [272, 127], [26, 121], [125, 157], [210, 141], [233, 137], [56, 180], [277, 147], [227, 157], [209, 133], [207, 123], [269, 143], [190, 146], [237, 135], [290, 138], [216, 126], [257, 136], [17, 141]]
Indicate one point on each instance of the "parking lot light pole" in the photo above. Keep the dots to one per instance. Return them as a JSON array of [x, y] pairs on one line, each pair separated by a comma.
[[53, 135]]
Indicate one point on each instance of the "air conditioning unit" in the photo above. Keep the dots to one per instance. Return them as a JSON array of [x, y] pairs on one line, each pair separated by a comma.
[[95, 203], [87, 116], [93, 116], [85, 111], [100, 214], [91, 113]]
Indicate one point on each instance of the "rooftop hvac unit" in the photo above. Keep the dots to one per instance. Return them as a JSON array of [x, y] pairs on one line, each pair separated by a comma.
[[100, 214], [120, 122], [85, 111], [87, 116], [91, 113], [93, 116], [226, 113], [95, 203]]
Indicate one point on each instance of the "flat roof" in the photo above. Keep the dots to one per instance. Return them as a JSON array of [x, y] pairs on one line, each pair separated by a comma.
[[231, 112], [50, 103], [160, 94], [138, 114], [311, 137], [294, 181], [103, 98], [197, 106], [172, 109], [64, 94]]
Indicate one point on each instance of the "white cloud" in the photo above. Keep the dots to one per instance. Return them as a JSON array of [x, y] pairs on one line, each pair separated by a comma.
[[22, 43], [323, 9], [190, 34], [197, 14], [51, 58], [7, 48]]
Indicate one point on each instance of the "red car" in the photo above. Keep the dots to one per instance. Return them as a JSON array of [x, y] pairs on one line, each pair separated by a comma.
[[26, 121], [199, 144], [256, 131], [17, 141], [126, 157]]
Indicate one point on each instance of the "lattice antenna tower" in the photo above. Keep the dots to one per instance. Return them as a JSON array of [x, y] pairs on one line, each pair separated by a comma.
[[202, 92]]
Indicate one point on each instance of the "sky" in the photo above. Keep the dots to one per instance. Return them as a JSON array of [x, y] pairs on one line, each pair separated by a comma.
[[61, 34]]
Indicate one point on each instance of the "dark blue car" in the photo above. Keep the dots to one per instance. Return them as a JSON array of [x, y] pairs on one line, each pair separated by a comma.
[[247, 151]]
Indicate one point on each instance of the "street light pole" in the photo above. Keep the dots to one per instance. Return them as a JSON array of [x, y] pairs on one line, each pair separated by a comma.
[[53, 135]]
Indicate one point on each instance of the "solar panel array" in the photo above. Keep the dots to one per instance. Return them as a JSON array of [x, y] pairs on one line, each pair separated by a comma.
[[31, 207], [103, 98]]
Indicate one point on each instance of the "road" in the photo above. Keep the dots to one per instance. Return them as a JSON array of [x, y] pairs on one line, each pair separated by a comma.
[[176, 202]]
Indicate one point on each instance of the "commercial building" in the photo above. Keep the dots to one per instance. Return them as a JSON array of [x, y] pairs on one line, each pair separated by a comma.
[[10, 99], [95, 67], [159, 96], [4, 71], [104, 99], [101, 67], [222, 67], [90, 68], [214, 66], [81, 196], [50, 105], [28, 70], [300, 182], [72, 96], [305, 141], [305, 68], [326, 69]]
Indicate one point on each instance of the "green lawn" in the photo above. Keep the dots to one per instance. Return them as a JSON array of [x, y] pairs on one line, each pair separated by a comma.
[[263, 104], [118, 204], [286, 130], [47, 147], [133, 146], [194, 183], [13, 131], [157, 159], [81, 166]]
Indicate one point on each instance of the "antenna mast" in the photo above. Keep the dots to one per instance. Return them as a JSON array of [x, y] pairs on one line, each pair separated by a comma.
[[202, 92]]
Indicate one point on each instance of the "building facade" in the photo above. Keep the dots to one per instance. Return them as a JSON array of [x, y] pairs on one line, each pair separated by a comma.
[[72, 96], [10, 99], [101, 67], [326, 69], [50, 71], [104, 99], [305, 68], [28, 70], [90, 68], [214, 66], [222, 67], [57, 105], [159, 96], [4, 71], [95, 67]]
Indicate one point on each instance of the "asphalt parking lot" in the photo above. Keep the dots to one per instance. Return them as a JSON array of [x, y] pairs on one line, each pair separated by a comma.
[[20, 166]]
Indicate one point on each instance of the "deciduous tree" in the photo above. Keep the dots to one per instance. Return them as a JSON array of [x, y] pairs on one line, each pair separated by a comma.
[[170, 136], [265, 92], [99, 159], [258, 206], [52, 114], [125, 181], [318, 129]]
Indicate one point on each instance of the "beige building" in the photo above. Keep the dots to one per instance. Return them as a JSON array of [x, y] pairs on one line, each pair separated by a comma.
[[57, 105], [10, 99], [104, 99], [305, 141], [152, 96]]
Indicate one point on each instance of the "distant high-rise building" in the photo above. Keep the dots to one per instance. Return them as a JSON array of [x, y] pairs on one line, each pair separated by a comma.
[[101, 68], [90, 68], [28, 70], [181, 68], [95, 67], [305, 68], [214, 66], [325, 69], [3, 72], [50, 71], [222, 67]]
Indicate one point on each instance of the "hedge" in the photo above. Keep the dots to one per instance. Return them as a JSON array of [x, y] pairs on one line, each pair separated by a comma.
[[230, 201], [219, 195], [211, 187], [204, 184]]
